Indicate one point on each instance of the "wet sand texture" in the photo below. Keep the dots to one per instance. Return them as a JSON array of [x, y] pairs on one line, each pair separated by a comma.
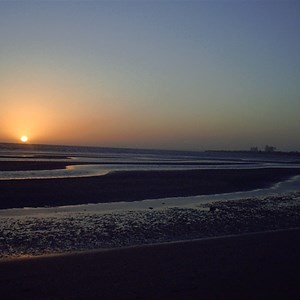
[[81, 231]]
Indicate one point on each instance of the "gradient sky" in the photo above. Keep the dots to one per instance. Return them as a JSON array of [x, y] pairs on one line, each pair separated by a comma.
[[152, 74]]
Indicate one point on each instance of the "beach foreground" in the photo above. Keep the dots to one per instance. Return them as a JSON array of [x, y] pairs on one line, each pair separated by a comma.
[[252, 266], [232, 249]]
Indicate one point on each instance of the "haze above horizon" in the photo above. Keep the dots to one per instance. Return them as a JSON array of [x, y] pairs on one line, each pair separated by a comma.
[[183, 75]]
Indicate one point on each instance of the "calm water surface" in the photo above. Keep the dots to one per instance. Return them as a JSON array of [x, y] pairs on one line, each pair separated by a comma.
[[91, 161]]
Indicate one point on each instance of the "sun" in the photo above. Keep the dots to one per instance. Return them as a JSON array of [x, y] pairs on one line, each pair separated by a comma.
[[24, 138]]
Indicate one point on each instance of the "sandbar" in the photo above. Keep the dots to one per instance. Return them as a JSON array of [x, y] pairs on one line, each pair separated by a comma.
[[136, 186]]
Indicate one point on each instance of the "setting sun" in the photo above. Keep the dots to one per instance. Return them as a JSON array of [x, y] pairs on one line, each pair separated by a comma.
[[24, 138]]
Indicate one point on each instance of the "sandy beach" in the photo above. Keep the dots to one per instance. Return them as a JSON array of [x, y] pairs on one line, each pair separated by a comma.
[[254, 266], [34, 232], [245, 249]]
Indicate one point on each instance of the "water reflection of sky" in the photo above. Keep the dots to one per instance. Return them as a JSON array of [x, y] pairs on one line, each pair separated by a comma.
[[100, 161]]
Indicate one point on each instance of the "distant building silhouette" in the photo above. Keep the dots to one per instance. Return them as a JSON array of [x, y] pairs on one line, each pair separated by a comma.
[[270, 148], [254, 149]]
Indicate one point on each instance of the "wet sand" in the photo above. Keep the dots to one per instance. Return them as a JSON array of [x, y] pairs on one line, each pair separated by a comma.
[[255, 266], [72, 231], [135, 185], [33, 165]]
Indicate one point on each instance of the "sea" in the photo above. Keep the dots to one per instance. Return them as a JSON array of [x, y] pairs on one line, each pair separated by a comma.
[[28, 231], [123, 159]]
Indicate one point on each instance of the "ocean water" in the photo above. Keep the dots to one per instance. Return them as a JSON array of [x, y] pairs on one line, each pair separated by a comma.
[[93, 161]]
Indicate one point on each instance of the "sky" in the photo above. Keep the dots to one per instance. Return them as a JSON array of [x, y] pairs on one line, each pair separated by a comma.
[[190, 75]]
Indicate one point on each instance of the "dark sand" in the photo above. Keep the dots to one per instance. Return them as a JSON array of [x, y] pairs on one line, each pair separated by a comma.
[[32, 165], [255, 266], [135, 185]]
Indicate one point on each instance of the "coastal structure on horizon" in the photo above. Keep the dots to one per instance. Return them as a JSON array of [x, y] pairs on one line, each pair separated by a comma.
[[268, 149]]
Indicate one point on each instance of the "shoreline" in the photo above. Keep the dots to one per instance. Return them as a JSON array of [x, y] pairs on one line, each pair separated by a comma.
[[238, 267], [136, 186], [66, 232]]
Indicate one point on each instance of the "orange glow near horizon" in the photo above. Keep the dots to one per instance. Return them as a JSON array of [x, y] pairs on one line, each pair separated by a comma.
[[61, 108]]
